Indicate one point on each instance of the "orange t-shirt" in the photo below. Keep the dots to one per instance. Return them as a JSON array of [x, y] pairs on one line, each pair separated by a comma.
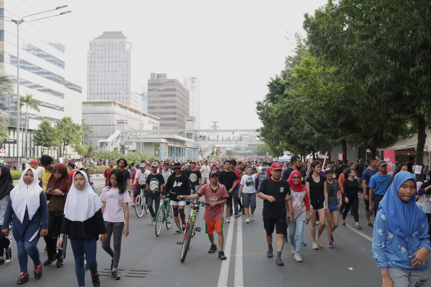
[[341, 179]]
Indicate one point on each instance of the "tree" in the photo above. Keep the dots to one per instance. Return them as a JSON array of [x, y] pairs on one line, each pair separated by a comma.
[[87, 133], [31, 104], [46, 135], [262, 150], [6, 88], [70, 134]]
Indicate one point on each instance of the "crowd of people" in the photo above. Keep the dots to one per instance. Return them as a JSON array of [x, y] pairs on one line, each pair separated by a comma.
[[63, 206]]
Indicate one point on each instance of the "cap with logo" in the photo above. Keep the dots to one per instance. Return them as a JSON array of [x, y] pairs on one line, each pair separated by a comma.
[[154, 164], [329, 169], [276, 166], [177, 165]]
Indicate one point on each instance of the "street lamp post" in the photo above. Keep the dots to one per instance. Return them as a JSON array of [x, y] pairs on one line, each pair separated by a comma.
[[19, 22]]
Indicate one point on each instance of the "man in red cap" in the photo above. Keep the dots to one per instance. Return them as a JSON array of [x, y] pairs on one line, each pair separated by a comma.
[[35, 165], [275, 194]]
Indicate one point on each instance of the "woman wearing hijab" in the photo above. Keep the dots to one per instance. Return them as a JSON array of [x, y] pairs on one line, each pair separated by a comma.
[[6, 186], [301, 213], [83, 222], [56, 192], [26, 209], [400, 237]]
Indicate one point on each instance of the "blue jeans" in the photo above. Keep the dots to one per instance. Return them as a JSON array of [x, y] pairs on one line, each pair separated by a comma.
[[235, 199], [84, 249], [26, 249], [296, 228]]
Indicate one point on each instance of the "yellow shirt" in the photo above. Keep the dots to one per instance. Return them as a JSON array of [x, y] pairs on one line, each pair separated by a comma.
[[46, 175]]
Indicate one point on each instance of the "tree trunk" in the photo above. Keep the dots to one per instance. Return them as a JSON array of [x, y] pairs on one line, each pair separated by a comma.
[[344, 149], [314, 158], [420, 146], [26, 125], [373, 152]]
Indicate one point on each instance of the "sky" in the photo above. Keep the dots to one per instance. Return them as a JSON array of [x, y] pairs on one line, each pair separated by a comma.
[[234, 47]]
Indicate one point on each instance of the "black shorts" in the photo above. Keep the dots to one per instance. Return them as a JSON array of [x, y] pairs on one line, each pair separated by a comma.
[[279, 223], [229, 199], [367, 205], [317, 204]]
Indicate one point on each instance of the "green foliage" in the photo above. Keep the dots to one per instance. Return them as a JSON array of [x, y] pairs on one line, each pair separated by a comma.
[[262, 150], [16, 174], [46, 135], [69, 133], [87, 133], [4, 134]]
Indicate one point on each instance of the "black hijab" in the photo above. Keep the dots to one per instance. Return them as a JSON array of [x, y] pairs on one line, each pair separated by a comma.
[[6, 182]]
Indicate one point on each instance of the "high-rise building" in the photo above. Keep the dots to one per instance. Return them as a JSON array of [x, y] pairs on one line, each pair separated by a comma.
[[194, 86], [168, 100], [108, 69], [144, 100], [42, 71]]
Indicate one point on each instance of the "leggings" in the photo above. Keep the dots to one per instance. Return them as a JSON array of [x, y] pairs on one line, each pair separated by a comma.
[[81, 247], [150, 205], [249, 200], [4, 242], [116, 228], [54, 226], [26, 249], [354, 202]]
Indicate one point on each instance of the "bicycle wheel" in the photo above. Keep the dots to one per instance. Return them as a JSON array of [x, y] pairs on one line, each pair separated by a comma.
[[186, 243], [169, 217], [139, 206], [159, 219]]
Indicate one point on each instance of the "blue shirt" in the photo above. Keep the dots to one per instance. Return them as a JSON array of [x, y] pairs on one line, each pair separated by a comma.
[[391, 251], [368, 173], [379, 183]]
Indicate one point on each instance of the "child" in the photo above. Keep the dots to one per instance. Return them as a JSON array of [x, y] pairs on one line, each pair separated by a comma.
[[27, 204], [115, 211], [400, 237], [83, 222]]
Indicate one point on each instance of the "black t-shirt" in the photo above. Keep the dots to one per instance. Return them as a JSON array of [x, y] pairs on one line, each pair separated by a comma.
[[317, 189], [154, 182], [227, 178], [126, 175], [359, 170], [288, 171], [194, 178], [278, 190], [350, 188]]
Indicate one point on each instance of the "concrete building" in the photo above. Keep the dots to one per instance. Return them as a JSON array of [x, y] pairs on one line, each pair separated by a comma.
[[104, 116], [193, 84], [168, 100], [108, 69], [42, 70]]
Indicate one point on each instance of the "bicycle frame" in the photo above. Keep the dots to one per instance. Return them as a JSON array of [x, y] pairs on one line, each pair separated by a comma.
[[190, 219]]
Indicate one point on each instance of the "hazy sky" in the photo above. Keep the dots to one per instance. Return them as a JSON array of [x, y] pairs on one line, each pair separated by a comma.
[[234, 47]]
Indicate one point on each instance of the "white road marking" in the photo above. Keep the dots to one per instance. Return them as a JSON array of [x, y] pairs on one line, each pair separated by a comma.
[[224, 270], [238, 256], [360, 233]]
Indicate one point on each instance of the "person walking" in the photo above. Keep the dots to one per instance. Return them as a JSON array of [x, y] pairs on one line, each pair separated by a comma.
[[230, 180], [332, 193], [247, 191], [83, 223], [56, 192], [154, 186], [377, 185], [115, 209], [401, 241], [301, 213], [195, 178], [205, 171], [351, 197], [107, 172], [27, 208], [366, 176], [6, 186], [275, 194]]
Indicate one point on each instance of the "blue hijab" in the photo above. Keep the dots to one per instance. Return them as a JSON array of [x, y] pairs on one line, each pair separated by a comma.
[[403, 217]]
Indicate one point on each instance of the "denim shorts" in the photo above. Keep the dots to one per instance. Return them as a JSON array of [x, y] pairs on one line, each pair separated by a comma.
[[333, 206]]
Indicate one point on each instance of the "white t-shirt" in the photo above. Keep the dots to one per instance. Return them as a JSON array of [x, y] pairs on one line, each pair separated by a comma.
[[205, 171], [142, 177], [166, 174], [248, 183], [114, 210], [39, 171]]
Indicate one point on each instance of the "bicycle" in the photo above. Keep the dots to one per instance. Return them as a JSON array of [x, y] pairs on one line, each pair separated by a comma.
[[164, 214], [141, 203], [189, 230]]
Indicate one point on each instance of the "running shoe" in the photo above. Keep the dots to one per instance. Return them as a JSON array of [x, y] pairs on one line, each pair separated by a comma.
[[344, 224], [38, 271], [292, 249], [315, 246], [8, 254], [247, 220], [332, 238], [152, 220], [95, 279], [23, 277], [279, 261], [133, 205], [252, 217], [298, 258], [304, 244], [59, 263], [269, 253], [370, 224], [178, 231], [319, 241], [330, 245], [358, 227], [221, 255], [227, 220], [237, 215], [115, 275], [213, 248]]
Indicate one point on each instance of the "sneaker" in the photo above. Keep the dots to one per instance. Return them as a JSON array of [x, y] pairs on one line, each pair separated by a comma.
[[304, 244], [332, 238], [292, 249], [23, 277], [221, 255], [269, 253], [279, 261], [297, 258], [8, 254], [213, 248], [227, 220], [115, 275], [315, 247], [319, 241], [358, 227], [95, 279], [59, 263], [344, 224], [133, 205], [237, 215], [330, 245], [252, 217], [38, 271], [48, 261], [370, 224], [247, 220], [184, 226], [152, 220], [178, 231]]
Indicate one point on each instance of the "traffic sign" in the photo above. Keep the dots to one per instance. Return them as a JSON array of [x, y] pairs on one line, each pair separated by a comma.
[[2, 150], [128, 143]]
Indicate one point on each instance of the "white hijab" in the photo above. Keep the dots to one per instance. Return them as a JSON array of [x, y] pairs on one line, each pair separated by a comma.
[[81, 204], [26, 196]]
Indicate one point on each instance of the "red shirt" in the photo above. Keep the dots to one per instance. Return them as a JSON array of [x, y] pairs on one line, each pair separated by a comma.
[[106, 174], [133, 178], [268, 172], [71, 173], [238, 175], [216, 212]]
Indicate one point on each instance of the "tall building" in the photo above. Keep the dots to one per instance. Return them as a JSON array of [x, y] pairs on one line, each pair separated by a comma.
[[194, 86], [108, 69], [42, 70], [168, 100]]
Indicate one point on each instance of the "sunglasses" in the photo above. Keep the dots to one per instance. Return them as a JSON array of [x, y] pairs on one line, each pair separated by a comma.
[[295, 177]]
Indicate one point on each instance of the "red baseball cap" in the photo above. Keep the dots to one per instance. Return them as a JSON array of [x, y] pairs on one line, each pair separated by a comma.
[[34, 162], [276, 166]]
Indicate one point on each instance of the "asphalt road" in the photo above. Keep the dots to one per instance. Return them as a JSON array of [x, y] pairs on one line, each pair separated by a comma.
[[147, 260]]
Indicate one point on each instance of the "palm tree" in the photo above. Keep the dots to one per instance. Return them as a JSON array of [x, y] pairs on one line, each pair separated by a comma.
[[6, 88], [31, 104]]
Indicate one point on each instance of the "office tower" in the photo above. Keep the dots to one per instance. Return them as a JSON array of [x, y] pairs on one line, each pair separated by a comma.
[[168, 100], [194, 86]]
